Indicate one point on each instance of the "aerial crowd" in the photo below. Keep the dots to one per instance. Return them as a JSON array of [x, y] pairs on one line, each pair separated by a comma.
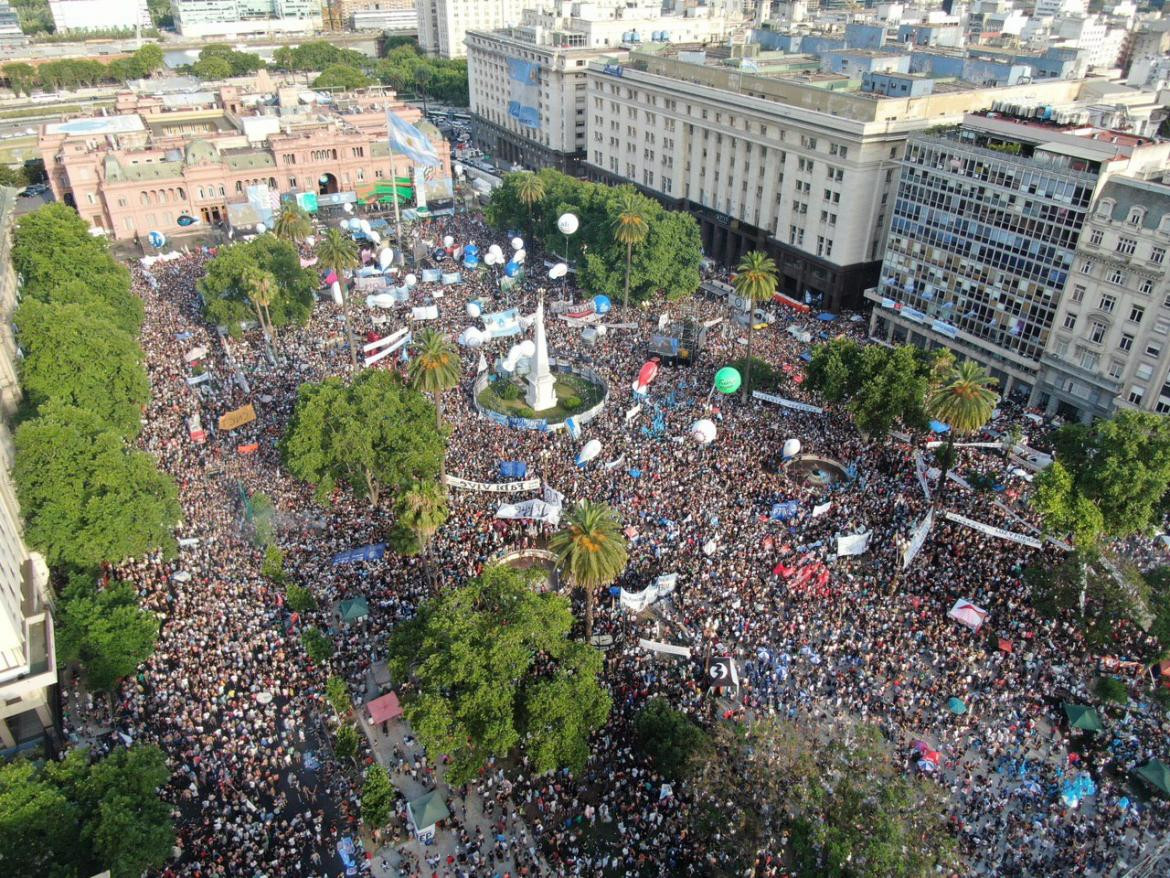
[[255, 787]]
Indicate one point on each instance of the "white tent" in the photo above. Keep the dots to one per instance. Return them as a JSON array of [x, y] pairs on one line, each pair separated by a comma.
[[966, 613]]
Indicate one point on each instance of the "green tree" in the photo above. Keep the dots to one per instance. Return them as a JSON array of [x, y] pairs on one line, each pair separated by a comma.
[[765, 376], [225, 291], [893, 390], [85, 496], [963, 400], [835, 369], [529, 189], [494, 666], [235, 63], [105, 630], [161, 13], [377, 798], [21, 77], [261, 289], [755, 281], [292, 223], [672, 741], [212, 68], [422, 510], [592, 550], [347, 742], [337, 692], [343, 77], [13, 177], [1093, 590], [263, 512], [370, 435], [434, 369], [273, 568], [38, 823], [318, 646], [338, 251], [300, 599], [149, 58], [630, 229]]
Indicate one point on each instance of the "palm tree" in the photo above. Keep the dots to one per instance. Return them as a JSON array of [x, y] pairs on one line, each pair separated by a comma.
[[337, 251], [530, 190], [422, 509], [292, 223], [964, 400], [592, 549], [755, 281], [435, 368], [260, 287], [630, 228]]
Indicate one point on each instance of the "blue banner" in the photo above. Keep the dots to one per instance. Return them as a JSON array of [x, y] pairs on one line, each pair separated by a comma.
[[524, 82], [365, 553], [513, 469]]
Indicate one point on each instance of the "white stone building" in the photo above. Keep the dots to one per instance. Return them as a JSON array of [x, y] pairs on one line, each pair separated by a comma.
[[442, 24]]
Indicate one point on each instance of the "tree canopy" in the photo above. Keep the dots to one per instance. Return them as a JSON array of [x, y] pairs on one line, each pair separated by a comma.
[[220, 61], [495, 669], [342, 76], [369, 435], [73, 73], [227, 294], [667, 259], [592, 549], [1108, 479], [86, 497], [73, 818], [104, 629], [77, 359]]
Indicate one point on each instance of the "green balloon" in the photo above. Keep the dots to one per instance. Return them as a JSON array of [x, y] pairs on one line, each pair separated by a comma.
[[728, 379]]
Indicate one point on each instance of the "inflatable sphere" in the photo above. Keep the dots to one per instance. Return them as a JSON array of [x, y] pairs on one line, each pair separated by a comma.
[[527, 348], [728, 380], [602, 304], [519, 256], [647, 373], [471, 261], [495, 250], [439, 255], [335, 289], [558, 271], [517, 243], [385, 257], [591, 450], [791, 449], [410, 280], [511, 269], [448, 241], [567, 223], [471, 250], [473, 310], [344, 225], [347, 207], [703, 431], [601, 329], [311, 241], [261, 228]]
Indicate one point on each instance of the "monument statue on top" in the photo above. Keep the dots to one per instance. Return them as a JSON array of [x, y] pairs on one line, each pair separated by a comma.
[[542, 394]]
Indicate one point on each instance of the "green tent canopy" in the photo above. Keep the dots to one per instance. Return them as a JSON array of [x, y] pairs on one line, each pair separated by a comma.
[[353, 609], [1156, 775], [1081, 717], [427, 810]]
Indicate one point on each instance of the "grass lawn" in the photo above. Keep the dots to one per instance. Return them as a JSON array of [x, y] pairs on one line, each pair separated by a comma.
[[567, 386]]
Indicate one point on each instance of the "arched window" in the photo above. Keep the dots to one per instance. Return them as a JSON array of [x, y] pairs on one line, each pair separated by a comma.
[[239, 186], [182, 194], [1136, 215], [144, 198], [1105, 208]]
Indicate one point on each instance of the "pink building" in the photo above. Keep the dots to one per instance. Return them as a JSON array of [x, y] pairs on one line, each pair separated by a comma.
[[156, 164]]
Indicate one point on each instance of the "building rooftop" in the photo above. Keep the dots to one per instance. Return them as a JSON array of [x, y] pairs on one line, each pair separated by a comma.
[[1127, 192], [98, 125]]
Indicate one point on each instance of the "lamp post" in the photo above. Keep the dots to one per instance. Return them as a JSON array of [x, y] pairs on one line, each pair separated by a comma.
[[567, 224]]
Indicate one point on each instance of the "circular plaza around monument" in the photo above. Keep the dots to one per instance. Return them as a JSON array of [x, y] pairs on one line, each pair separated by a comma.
[[581, 394], [820, 471]]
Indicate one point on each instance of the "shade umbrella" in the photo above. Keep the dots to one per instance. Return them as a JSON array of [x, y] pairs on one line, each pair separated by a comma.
[[1156, 774], [957, 706], [1081, 717]]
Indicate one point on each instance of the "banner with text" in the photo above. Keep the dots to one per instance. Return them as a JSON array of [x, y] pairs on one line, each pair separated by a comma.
[[787, 403], [492, 487], [992, 531]]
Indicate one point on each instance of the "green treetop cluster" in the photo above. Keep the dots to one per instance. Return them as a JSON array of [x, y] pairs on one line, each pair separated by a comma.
[[74, 73], [666, 259]]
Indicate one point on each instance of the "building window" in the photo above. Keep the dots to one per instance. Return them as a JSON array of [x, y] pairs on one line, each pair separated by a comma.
[[1161, 326], [1135, 394], [1087, 266], [1078, 294], [1126, 246], [1157, 255], [1153, 350], [1097, 331], [838, 150], [1117, 277], [1107, 304], [1070, 320], [1143, 372], [292, 183], [1095, 237], [1116, 367], [1136, 215], [1146, 287], [1136, 313], [1089, 361], [1126, 342]]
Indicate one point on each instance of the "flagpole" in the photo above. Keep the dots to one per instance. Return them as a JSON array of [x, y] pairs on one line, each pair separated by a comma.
[[397, 214]]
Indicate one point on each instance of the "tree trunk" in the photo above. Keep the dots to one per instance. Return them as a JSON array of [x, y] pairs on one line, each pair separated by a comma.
[[590, 600], [629, 258], [747, 372], [271, 325], [349, 332], [371, 487], [439, 427], [942, 479]]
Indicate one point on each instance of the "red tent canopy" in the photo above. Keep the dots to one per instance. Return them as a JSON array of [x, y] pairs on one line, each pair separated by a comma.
[[384, 707]]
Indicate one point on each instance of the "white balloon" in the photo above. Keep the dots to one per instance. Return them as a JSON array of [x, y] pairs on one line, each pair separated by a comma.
[[591, 450], [311, 241], [261, 228], [527, 348], [344, 224], [495, 250], [347, 207], [602, 329], [410, 280], [791, 448], [519, 256], [448, 241], [473, 310], [558, 271], [365, 226], [381, 300], [567, 223], [517, 243], [335, 289], [386, 257], [375, 237], [703, 431], [471, 337]]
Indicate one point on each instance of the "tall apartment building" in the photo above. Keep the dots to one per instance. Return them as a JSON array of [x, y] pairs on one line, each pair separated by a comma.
[[798, 164], [237, 18], [443, 23], [98, 14], [395, 15], [10, 32], [528, 82], [28, 665], [986, 222], [1110, 343]]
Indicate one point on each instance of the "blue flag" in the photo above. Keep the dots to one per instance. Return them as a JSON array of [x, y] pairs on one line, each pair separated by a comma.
[[410, 142]]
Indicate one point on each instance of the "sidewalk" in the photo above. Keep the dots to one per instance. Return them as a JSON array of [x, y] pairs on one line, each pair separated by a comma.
[[468, 814]]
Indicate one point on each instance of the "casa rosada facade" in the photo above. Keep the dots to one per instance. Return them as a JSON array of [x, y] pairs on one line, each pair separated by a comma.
[[148, 167]]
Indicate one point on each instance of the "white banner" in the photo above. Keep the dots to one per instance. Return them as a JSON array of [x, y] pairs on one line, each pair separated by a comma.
[[534, 510], [425, 312], [991, 531], [195, 354], [854, 544], [658, 646], [920, 473], [492, 487], [917, 539], [553, 497], [959, 480], [640, 600], [818, 511], [403, 338], [633, 412], [787, 403], [616, 462], [192, 380], [382, 342], [937, 444]]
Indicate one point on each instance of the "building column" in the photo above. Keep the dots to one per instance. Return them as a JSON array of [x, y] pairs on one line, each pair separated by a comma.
[[45, 715], [6, 736], [1007, 387]]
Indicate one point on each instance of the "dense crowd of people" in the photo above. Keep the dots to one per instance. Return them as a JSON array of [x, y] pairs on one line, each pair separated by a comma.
[[239, 708]]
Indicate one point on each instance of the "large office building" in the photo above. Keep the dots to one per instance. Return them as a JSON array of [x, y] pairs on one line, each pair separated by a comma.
[[28, 665], [1109, 347], [775, 155], [987, 218], [83, 15], [154, 165], [528, 83], [442, 24], [385, 15], [10, 32], [240, 18]]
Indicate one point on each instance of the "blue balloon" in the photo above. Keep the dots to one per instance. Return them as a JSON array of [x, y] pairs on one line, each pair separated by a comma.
[[511, 269], [471, 261], [471, 250], [439, 255], [602, 304]]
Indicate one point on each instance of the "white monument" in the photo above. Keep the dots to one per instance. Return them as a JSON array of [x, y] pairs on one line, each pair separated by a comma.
[[542, 392]]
